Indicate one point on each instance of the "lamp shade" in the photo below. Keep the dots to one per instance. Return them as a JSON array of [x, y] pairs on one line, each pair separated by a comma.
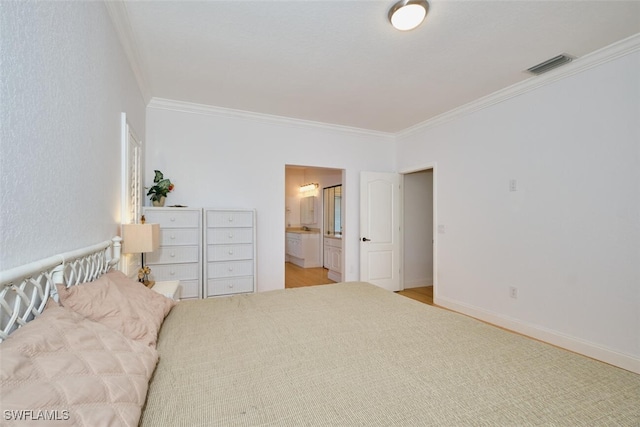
[[140, 238]]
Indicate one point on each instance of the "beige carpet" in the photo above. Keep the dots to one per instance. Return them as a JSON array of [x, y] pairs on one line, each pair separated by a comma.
[[354, 354]]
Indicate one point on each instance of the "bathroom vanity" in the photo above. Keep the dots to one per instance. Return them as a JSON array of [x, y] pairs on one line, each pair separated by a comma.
[[303, 247], [333, 257]]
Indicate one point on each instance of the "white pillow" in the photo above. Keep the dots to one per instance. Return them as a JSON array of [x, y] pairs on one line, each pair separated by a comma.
[[121, 303]]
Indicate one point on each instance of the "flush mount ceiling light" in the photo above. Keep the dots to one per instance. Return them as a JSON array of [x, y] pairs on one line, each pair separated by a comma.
[[408, 14]]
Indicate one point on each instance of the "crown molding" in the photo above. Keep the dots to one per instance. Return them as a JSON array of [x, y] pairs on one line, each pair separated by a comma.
[[193, 108], [578, 65], [601, 56], [120, 19]]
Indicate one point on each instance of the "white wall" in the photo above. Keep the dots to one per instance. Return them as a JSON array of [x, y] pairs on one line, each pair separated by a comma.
[[65, 81], [218, 159], [418, 229], [569, 237]]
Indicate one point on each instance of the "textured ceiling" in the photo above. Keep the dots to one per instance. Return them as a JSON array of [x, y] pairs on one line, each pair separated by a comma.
[[340, 62]]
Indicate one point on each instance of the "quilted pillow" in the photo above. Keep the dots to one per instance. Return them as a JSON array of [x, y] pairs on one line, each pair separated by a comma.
[[120, 303], [61, 366]]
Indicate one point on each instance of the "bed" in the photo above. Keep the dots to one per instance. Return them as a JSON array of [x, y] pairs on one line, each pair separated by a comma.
[[342, 354]]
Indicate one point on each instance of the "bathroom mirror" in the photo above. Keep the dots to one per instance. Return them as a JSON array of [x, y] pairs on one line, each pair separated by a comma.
[[332, 202], [308, 210]]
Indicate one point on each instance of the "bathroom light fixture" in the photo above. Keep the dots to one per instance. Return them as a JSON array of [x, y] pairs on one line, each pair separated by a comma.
[[308, 187], [408, 14]]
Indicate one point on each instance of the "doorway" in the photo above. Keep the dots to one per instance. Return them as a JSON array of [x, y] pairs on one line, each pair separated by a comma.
[[418, 237], [305, 225]]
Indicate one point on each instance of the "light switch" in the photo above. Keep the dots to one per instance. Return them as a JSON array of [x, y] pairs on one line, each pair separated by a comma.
[[513, 185]]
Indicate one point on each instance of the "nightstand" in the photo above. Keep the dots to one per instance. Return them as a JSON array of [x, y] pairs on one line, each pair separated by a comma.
[[170, 289]]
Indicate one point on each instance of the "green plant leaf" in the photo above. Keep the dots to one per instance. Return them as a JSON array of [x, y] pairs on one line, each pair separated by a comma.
[[159, 176]]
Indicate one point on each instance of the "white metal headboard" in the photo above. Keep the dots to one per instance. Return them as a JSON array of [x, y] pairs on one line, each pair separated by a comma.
[[24, 290]]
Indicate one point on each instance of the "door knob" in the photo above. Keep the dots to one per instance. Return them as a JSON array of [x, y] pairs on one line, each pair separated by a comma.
[[364, 239]]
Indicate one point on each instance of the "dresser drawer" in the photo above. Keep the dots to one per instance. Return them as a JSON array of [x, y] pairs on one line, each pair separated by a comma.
[[233, 285], [174, 254], [173, 218], [175, 272], [179, 236], [229, 235], [230, 269], [229, 252], [229, 219]]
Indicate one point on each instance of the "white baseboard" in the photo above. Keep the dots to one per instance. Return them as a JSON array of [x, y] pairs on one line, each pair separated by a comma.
[[574, 344]]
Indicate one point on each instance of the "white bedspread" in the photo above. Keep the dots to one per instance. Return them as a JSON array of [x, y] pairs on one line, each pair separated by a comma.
[[354, 354]]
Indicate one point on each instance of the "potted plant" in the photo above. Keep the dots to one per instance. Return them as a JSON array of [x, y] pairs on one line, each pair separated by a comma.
[[162, 186]]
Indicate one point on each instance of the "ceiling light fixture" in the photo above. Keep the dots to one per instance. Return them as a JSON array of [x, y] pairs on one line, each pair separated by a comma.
[[408, 14], [308, 187]]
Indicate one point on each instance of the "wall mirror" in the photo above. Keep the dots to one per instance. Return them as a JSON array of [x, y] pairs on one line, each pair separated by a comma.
[[308, 210], [332, 202]]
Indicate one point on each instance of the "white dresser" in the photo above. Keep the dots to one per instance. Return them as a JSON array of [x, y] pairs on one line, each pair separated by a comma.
[[179, 256], [230, 251]]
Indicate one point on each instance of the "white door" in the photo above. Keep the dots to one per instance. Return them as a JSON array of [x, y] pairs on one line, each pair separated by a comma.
[[380, 229]]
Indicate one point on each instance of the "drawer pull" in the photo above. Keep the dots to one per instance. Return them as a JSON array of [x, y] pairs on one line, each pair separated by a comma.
[[172, 273], [172, 255], [172, 219], [173, 237], [230, 252], [230, 235], [230, 219], [230, 268], [230, 285]]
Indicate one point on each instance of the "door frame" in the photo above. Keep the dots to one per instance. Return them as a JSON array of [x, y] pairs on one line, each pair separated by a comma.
[[433, 167], [345, 223]]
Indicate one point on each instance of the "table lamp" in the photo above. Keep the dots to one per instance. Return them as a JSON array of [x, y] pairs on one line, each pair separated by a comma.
[[141, 238]]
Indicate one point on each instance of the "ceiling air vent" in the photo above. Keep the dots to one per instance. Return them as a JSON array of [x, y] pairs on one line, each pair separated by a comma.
[[550, 64]]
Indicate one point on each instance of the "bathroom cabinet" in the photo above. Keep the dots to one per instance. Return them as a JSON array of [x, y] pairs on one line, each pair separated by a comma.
[[333, 258], [308, 210], [303, 248]]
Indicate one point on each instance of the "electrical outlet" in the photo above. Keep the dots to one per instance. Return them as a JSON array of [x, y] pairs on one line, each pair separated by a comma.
[[513, 292]]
